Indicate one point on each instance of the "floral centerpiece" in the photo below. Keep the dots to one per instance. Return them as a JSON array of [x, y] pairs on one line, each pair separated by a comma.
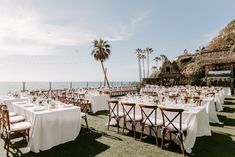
[[16, 94]]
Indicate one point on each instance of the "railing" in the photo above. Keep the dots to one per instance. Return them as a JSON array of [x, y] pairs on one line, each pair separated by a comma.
[[5, 87]]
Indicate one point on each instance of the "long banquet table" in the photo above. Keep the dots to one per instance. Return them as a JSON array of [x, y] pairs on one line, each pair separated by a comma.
[[9, 100], [50, 127], [98, 102], [209, 104], [195, 117]]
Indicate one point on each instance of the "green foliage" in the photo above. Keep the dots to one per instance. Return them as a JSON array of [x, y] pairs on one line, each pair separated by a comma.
[[101, 50], [225, 40], [233, 48]]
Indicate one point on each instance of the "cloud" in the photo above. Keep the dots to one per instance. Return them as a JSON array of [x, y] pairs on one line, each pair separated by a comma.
[[24, 31], [126, 31]]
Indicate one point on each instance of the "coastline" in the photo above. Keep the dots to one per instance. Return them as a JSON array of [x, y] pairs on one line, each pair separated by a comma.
[[18, 86]]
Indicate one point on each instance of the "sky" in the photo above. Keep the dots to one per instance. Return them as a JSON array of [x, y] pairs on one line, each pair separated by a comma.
[[51, 40]]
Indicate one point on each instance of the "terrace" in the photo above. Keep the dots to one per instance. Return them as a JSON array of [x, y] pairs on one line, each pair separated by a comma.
[[98, 141]]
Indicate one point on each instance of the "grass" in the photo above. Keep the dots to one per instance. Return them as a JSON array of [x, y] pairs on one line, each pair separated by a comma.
[[98, 141]]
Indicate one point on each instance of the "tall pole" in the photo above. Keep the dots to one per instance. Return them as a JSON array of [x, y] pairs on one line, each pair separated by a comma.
[[139, 69], [147, 52], [49, 85], [143, 57], [71, 85], [139, 57], [23, 86]]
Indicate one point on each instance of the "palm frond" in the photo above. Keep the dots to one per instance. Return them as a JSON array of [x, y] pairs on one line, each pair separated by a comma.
[[101, 50]]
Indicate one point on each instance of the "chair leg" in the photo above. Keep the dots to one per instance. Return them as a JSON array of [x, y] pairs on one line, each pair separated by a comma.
[[86, 122], [156, 129], [7, 143], [109, 122], [118, 125], [182, 144], [142, 130], [133, 128], [163, 136], [124, 126]]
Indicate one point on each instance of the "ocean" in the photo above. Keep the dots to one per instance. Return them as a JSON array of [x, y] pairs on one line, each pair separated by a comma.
[[5, 87]]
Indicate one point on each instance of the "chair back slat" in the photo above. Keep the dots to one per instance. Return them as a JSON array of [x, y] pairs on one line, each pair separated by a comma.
[[148, 112], [128, 110], [170, 116], [84, 104], [81, 96], [5, 117], [113, 108]]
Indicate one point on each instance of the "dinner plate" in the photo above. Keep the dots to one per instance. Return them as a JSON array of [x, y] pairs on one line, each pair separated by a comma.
[[22, 103], [39, 109], [29, 105], [68, 105]]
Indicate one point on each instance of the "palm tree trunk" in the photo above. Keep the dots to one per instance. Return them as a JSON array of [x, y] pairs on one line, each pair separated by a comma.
[[105, 75], [143, 68], [147, 65], [157, 65], [139, 69]]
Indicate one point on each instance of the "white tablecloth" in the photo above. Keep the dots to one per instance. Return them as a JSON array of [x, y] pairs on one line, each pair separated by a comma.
[[226, 91], [50, 127], [9, 100], [198, 125], [98, 103], [209, 104], [219, 100]]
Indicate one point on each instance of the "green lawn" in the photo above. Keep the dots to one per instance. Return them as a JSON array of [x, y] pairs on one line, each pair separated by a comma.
[[98, 141]]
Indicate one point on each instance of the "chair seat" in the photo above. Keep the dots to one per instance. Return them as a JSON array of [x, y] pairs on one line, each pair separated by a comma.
[[151, 121], [83, 114], [20, 126], [16, 119], [131, 118], [11, 114], [171, 127], [120, 114]]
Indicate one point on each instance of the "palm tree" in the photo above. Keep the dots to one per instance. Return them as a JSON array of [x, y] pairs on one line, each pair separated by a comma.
[[154, 71], [200, 49], [101, 53], [148, 51], [139, 55], [163, 58], [143, 57], [157, 59]]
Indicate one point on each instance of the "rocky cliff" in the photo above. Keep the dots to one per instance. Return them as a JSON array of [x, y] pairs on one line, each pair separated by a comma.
[[189, 62]]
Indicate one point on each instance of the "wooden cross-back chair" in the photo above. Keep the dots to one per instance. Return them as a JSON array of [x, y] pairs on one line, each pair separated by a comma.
[[129, 116], [149, 119], [84, 105], [54, 94], [45, 93], [210, 94], [82, 96], [172, 123], [173, 98], [34, 92], [9, 129], [114, 112], [195, 99], [75, 95], [70, 94]]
